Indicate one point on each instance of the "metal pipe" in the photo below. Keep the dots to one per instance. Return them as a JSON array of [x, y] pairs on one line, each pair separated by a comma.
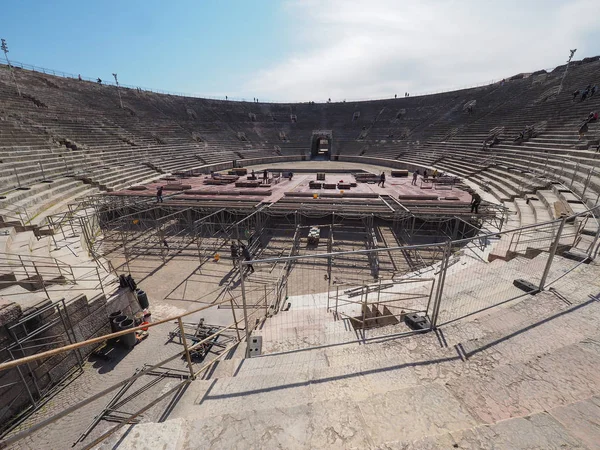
[[266, 306], [127, 420], [42, 280], [574, 174], [440, 287], [237, 329], [587, 181], [185, 346], [46, 354], [17, 175], [551, 255], [240, 268]]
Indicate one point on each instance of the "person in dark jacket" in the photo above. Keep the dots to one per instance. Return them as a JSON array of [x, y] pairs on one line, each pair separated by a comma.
[[159, 192], [248, 257], [381, 180], [234, 253], [475, 202]]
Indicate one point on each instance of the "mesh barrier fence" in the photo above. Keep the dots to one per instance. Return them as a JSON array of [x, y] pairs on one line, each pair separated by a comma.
[[317, 299]]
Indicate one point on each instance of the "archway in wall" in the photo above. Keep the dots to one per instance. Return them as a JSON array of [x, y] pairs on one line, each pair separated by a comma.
[[321, 146]]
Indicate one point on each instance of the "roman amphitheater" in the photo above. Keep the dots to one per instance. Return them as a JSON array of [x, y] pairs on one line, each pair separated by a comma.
[[181, 272]]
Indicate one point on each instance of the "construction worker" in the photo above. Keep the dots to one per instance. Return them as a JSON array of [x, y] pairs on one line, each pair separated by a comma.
[[234, 253], [475, 202], [248, 257]]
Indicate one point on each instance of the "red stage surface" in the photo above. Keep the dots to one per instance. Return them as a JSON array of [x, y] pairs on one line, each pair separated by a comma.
[[398, 188]]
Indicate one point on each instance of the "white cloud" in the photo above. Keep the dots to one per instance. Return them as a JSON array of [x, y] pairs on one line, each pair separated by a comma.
[[374, 49]]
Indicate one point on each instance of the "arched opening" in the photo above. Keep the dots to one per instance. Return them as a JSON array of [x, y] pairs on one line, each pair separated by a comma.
[[321, 148]]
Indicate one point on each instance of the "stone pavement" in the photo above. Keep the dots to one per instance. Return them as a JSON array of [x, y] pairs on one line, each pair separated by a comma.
[[520, 376]]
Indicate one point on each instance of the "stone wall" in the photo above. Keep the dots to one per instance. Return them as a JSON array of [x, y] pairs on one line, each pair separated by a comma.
[[89, 319]]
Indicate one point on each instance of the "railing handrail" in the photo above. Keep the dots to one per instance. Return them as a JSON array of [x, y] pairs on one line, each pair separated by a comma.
[[96, 340], [108, 82]]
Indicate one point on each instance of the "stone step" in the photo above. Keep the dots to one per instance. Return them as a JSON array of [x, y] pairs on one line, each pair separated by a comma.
[[552, 430], [567, 375]]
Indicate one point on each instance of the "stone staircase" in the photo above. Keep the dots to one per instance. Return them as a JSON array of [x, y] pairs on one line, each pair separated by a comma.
[[478, 383]]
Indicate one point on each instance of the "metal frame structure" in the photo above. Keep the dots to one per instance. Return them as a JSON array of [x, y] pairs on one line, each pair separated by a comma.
[[30, 333], [433, 310]]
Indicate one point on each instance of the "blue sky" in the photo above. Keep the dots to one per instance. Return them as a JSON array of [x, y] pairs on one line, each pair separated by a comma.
[[299, 50], [189, 46]]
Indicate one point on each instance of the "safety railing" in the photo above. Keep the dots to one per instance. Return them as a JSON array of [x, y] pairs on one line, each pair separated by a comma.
[[185, 353], [109, 82], [333, 313], [308, 297]]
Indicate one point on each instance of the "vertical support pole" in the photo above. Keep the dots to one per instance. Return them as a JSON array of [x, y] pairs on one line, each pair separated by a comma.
[[42, 169], [440, 286], [72, 229], [24, 267], [455, 231], [58, 267], [125, 251], [30, 395], [241, 269], [364, 312], [86, 236], [574, 174], [100, 280], [52, 227], [266, 305], [551, 255], [594, 242], [237, 330], [69, 326], [41, 279], [17, 175], [185, 346], [587, 181]]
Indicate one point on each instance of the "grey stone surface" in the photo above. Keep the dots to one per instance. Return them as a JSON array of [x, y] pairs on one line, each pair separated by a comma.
[[412, 413], [536, 432], [582, 420], [9, 311], [559, 378]]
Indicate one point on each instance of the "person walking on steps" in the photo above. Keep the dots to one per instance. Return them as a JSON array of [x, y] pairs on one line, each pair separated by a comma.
[[475, 202], [247, 257], [159, 197], [381, 180], [415, 175]]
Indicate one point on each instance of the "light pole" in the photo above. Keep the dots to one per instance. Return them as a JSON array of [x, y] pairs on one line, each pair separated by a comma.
[[118, 92], [566, 68], [4, 48]]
